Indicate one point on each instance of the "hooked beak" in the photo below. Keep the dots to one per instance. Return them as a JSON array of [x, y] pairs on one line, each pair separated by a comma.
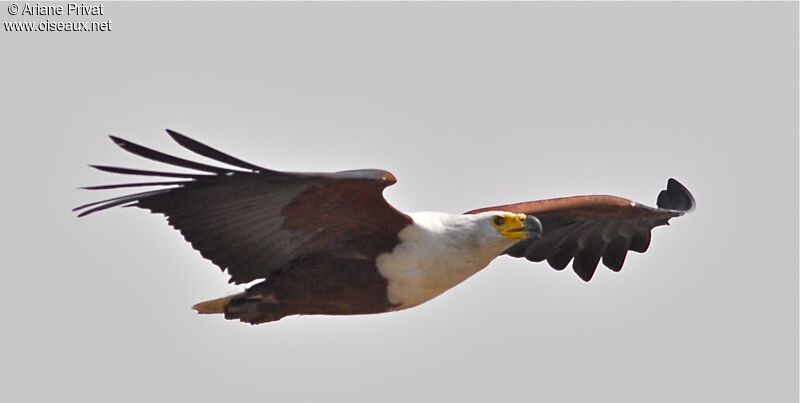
[[533, 227]]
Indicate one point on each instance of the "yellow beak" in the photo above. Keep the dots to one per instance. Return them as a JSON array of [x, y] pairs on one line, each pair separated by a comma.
[[514, 226]]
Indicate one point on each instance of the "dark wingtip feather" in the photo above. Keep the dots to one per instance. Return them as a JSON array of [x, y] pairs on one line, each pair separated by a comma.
[[585, 275], [129, 171], [561, 259], [585, 263], [209, 152], [676, 197], [154, 155], [641, 242], [118, 141], [116, 201], [131, 185], [208, 171], [615, 253]]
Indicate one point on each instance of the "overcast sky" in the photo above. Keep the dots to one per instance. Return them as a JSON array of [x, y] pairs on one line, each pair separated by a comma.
[[469, 105]]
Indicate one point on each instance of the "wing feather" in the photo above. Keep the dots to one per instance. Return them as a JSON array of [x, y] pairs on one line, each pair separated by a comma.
[[212, 153], [131, 185], [154, 155], [590, 229], [254, 223], [615, 253], [128, 171]]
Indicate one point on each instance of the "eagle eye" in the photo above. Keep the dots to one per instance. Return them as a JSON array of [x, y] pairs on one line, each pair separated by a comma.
[[498, 221]]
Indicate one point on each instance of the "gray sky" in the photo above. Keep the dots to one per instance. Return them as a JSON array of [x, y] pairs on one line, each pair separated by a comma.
[[469, 105]]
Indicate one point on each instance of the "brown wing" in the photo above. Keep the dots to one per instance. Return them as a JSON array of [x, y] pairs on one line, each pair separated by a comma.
[[586, 229], [254, 221]]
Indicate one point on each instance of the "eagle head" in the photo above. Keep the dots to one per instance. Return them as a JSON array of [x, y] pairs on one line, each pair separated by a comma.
[[515, 226]]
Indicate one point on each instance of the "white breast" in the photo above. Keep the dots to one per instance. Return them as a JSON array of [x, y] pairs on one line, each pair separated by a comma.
[[436, 252]]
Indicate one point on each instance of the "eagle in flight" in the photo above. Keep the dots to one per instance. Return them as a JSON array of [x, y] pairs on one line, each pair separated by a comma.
[[330, 244]]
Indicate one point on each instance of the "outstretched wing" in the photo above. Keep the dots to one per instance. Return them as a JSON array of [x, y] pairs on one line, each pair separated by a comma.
[[252, 221], [587, 228]]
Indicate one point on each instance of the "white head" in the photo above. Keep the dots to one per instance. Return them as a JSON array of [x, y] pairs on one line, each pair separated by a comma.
[[505, 229], [491, 231]]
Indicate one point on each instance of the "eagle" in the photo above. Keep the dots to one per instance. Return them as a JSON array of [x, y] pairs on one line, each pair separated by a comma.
[[330, 244]]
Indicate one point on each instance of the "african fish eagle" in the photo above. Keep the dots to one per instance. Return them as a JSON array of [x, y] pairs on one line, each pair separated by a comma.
[[304, 236]]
